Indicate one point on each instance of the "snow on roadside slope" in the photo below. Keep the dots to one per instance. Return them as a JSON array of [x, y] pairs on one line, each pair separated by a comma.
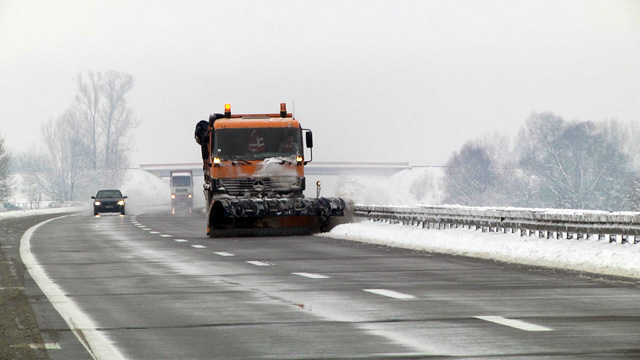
[[23, 213], [599, 257]]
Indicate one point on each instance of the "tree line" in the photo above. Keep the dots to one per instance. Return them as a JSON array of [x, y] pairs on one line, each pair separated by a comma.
[[85, 148], [552, 163]]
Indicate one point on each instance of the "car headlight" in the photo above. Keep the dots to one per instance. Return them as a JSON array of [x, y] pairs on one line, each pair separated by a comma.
[[121, 202], [97, 203]]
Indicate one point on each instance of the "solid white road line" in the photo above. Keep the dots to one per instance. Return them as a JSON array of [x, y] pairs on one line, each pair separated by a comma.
[[259, 263], [390, 293], [312, 276], [199, 246], [96, 343], [181, 240], [513, 323], [222, 253]]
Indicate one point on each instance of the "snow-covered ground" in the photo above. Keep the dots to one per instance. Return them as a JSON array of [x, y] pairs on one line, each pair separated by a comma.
[[599, 257]]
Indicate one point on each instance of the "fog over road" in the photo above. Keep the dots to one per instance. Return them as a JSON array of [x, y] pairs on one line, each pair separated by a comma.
[[155, 287]]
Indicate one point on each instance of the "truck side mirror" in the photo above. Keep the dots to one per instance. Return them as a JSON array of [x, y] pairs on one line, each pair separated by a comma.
[[125, 197], [309, 138], [93, 197]]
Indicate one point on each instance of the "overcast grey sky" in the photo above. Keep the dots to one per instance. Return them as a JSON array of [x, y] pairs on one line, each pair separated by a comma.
[[376, 80]]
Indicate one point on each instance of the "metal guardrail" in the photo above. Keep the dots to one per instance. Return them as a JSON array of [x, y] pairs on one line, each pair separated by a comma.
[[619, 227]]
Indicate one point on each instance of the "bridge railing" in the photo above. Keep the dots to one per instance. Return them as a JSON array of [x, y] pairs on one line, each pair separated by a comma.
[[615, 227]]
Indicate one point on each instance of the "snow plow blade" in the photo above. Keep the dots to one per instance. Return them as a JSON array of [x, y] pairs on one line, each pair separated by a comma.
[[260, 217]]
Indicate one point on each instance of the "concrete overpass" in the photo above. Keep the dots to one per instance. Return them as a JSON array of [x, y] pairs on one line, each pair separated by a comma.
[[313, 168]]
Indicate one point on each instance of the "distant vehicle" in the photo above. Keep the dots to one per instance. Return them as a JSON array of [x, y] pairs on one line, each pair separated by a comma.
[[108, 201], [181, 188]]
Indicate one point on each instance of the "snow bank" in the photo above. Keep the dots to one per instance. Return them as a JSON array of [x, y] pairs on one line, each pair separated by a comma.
[[591, 256], [24, 213]]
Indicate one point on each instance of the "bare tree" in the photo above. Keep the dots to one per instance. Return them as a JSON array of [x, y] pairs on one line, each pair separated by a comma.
[[576, 163], [469, 175], [101, 105], [116, 119], [5, 186], [87, 105], [65, 160]]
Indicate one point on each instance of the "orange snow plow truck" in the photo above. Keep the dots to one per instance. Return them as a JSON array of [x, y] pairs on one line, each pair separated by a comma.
[[254, 176]]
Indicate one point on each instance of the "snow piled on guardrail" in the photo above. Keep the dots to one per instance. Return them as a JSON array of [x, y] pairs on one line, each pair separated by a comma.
[[592, 256]]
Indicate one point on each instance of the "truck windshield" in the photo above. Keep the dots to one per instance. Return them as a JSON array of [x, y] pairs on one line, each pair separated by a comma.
[[257, 144], [181, 181]]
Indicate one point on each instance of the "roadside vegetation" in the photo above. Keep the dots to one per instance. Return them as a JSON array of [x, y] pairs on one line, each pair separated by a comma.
[[552, 163], [85, 148], [20, 335]]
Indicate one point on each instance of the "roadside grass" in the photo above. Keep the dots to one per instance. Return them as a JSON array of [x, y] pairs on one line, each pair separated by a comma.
[[19, 328]]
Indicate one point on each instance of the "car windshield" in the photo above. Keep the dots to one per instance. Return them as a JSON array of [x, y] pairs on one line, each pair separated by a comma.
[[109, 194], [257, 144], [181, 181]]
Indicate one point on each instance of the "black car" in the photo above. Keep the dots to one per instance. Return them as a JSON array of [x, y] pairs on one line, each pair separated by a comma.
[[108, 201]]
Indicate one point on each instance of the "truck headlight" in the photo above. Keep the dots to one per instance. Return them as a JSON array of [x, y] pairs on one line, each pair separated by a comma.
[[97, 203], [173, 196], [121, 202]]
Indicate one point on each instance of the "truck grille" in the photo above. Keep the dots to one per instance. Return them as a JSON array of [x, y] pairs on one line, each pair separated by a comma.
[[240, 186]]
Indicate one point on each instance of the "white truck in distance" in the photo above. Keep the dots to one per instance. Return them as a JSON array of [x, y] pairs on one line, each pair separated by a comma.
[[181, 188]]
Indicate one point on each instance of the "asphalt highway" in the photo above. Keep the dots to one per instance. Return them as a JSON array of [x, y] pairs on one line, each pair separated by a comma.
[[152, 285]]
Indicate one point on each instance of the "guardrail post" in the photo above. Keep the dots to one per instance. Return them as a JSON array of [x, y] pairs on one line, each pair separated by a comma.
[[636, 239], [625, 239], [613, 238]]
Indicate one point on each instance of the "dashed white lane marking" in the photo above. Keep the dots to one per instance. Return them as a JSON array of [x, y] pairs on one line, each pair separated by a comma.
[[259, 263], [199, 246], [518, 324], [154, 232], [146, 229], [312, 276], [96, 343], [222, 253], [390, 293], [165, 235], [181, 240], [48, 346]]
